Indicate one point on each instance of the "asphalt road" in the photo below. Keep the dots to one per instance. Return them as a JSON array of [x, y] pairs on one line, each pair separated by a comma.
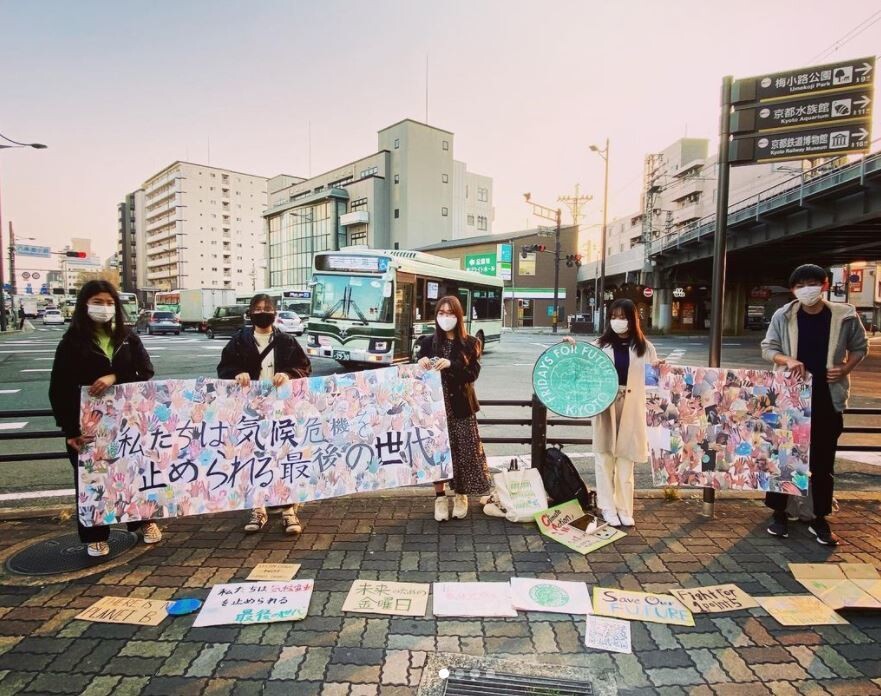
[[26, 361]]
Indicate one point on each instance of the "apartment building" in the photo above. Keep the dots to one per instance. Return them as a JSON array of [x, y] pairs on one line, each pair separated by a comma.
[[408, 194], [194, 226]]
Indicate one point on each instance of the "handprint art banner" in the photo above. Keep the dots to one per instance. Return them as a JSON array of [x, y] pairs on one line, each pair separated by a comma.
[[729, 429], [189, 447]]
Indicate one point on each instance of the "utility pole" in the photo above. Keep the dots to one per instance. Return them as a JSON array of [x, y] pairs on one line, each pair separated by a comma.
[[12, 291], [601, 300], [555, 215], [2, 282], [574, 203]]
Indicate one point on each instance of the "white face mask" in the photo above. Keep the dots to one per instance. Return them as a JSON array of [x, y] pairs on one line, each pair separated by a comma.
[[620, 326], [447, 323], [809, 295], [101, 314]]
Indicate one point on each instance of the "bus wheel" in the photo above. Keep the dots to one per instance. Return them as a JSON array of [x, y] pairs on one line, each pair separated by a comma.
[[482, 340]]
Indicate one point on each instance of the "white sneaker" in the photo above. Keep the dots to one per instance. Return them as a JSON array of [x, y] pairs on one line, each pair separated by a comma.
[[151, 533], [291, 522], [98, 549], [493, 510], [257, 520], [626, 520], [611, 517], [460, 507], [441, 508]]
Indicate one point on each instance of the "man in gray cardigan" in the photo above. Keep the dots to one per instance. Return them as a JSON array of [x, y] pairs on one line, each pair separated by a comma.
[[826, 340]]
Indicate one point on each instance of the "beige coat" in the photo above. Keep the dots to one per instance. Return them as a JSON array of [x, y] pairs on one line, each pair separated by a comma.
[[630, 441]]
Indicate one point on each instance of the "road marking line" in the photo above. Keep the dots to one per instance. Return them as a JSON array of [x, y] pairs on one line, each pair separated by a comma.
[[23, 495], [9, 391], [40, 369], [13, 426], [17, 352]]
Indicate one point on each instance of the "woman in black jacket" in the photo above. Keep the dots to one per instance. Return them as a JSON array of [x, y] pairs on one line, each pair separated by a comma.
[[97, 351], [457, 355], [260, 352]]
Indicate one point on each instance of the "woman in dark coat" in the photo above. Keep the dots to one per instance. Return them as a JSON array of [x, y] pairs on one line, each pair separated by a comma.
[[457, 356], [262, 352], [97, 351]]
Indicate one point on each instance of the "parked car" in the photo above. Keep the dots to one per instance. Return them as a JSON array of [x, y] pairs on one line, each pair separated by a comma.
[[154, 322], [53, 316], [226, 320], [290, 322]]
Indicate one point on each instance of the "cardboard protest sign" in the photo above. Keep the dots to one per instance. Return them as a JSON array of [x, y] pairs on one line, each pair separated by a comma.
[[714, 598], [729, 429], [126, 610], [392, 598], [799, 610], [567, 524], [640, 606], [274, 571], [256, 602], [189, 447], [608, 634], [830, 583], [557, 596], [483, 599]]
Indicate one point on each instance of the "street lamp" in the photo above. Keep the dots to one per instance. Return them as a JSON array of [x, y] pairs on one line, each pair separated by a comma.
[[3, 324], [550, 214], [601, 300]]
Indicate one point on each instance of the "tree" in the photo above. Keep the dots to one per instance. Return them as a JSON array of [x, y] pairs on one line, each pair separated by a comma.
[[109, 274]]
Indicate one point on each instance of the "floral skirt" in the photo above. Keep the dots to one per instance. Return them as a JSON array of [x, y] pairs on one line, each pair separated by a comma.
[[470, 472]]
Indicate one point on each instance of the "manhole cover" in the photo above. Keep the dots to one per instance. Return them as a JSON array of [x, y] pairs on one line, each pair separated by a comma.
[[66, 554], [474, 682]]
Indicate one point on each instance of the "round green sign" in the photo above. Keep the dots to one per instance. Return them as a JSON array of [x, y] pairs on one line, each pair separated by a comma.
[[548, 595], [577, 381]]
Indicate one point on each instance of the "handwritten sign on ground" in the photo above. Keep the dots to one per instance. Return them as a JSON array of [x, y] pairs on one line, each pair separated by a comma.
[[126, 610], [714, 598], [188, 447], [256, 602], [274, 571], [485, 599], [840, 586], [640, 606], [603, 633], [576, 381], [799, 610], [392, 598], [557, 596], [567, 524], [729, 429]]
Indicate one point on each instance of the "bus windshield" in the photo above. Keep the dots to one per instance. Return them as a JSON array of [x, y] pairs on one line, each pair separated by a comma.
[[356, 298]]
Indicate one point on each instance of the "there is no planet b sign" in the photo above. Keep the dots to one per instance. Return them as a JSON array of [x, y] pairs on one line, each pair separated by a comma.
[[577, 381]]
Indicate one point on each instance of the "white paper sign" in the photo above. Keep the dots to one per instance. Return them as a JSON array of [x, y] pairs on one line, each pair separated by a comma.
[[472, 599], [608, 634], [256, 602], [558, 596]]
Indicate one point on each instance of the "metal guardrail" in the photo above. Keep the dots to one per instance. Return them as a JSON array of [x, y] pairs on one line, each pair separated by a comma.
[[793, 190], [537, 435]]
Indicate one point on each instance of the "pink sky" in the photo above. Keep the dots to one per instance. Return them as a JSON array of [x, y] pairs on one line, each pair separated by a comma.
[[119, 90]]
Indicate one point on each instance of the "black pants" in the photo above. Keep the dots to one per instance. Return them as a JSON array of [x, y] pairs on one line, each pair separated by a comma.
[[826, 427], [90, 535]]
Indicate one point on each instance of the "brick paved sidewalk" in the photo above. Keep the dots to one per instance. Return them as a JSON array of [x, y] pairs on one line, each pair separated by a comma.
[[44, 650]]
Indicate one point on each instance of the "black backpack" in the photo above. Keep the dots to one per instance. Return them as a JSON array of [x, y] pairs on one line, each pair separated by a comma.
[[562, 482]]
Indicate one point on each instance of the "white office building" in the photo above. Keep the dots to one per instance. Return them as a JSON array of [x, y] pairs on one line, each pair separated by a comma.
[[194, 226], [409, 194]]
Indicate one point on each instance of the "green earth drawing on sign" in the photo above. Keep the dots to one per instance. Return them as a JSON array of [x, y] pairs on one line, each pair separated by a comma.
[[548, 595], [577, 381]]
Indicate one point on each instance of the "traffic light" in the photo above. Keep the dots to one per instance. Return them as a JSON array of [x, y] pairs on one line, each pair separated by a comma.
[[75, 254], [540, 247], [573, 260]]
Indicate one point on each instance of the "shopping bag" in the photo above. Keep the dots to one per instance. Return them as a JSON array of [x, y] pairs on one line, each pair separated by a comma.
[[520, 493]]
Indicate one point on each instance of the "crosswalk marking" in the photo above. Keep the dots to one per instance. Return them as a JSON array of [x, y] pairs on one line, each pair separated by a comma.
[[13, 426], [38, 369], [9, 391]]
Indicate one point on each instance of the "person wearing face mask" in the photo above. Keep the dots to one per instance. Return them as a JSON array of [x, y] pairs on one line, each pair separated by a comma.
[[827, 341], [260, 352], [620, 437], [96, 351], [456, 355]]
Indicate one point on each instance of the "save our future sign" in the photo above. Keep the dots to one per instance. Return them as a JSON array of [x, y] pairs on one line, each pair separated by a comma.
[[187, 447]]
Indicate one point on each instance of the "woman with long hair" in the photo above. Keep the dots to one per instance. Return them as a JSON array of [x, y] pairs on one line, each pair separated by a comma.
[[620, 437], [456, 355], [261, 352], [97, 351]]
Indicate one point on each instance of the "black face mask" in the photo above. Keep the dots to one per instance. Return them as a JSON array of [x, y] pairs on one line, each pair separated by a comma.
[[263, 320]]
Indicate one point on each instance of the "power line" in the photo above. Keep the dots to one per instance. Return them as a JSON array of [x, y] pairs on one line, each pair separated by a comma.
[[850, 35]]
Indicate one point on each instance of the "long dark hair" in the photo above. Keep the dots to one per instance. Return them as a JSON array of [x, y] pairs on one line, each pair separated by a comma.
[[637, 338], [460, 334], [81, 324]]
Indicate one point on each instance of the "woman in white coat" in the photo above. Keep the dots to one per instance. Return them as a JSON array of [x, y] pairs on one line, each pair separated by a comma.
[[619, 433]]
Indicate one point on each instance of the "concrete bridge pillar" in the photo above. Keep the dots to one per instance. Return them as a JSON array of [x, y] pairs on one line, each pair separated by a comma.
[[734, 313], [662, 309]]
